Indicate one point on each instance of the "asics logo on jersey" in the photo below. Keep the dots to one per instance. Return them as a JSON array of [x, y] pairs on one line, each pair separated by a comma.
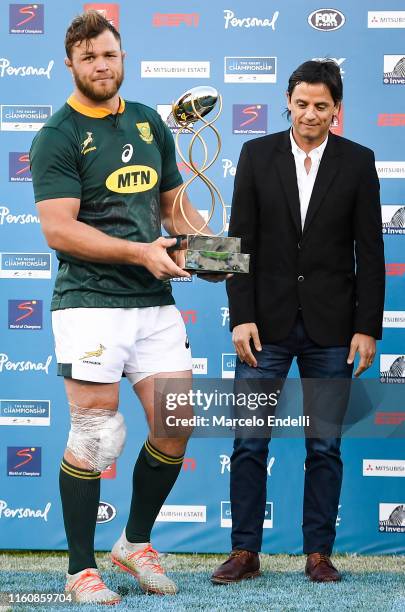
[[86, 144], [132, 179], [96, 353], [144, 132]]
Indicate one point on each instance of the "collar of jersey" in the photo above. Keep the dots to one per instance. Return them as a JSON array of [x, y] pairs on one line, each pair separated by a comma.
[[94, 112]]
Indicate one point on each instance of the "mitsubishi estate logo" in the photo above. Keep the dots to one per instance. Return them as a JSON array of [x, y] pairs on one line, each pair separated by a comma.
[[386, 19], [384, 467]]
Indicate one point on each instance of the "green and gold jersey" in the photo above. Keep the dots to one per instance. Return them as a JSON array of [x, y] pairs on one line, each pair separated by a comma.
[[117, 165]]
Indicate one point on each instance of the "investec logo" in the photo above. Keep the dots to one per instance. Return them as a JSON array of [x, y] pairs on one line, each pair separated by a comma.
[[384, 467], [392, 369], [132, 179], [390, 169], [165, 111], [394, 318], [226, 515], [249, 22], [182, 514], [25, 412], [392, 518], [394, 70], [393, 219]]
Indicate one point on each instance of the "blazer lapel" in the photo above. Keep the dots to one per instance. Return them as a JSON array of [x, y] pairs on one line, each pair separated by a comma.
[[326, 173], [286, 168]]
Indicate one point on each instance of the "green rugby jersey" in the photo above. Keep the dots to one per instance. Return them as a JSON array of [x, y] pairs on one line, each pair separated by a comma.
[[117, 165]]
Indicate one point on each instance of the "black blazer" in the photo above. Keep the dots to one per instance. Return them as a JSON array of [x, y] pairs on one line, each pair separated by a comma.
[[334, 268]]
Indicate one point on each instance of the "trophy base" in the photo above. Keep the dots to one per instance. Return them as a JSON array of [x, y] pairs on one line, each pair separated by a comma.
[[222, 262], [212, 254]]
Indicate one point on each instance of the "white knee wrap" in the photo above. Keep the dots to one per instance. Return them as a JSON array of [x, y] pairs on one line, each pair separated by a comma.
[[96, 436]]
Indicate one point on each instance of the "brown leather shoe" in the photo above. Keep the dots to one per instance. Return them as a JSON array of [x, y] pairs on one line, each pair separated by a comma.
[[319, 568], [241, 564]]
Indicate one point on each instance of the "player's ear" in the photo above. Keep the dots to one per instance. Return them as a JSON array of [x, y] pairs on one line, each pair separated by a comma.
[[68, 63], [123, 54]]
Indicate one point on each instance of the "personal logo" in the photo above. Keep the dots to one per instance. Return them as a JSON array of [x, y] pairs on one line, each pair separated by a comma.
[[89, 356], [23, 461], [132, 179], [106, 512], [145, 132], [85, 145]]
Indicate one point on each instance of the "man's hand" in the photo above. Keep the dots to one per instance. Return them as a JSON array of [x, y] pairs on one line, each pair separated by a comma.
[[366, 347], [241, 336], [159, 262]]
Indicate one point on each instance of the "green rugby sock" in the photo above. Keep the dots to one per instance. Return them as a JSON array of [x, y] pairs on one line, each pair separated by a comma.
[[154, 476], [80, 495]]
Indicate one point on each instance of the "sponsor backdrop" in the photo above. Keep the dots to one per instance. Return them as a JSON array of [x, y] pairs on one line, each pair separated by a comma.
[[247, 51]]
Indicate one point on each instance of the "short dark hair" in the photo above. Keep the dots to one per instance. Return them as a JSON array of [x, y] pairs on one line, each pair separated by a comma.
[[324, 71], [85, 27]]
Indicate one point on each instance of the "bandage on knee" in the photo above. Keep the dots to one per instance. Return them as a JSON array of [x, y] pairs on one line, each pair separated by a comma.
[[97, 436]]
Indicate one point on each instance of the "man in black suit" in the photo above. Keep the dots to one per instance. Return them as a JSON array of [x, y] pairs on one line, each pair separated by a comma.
[[306, 204]]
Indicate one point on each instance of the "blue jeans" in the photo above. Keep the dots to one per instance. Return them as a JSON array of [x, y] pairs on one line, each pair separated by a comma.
[[324, 468]]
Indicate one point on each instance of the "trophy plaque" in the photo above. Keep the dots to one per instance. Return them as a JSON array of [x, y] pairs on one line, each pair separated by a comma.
[[204, 253]]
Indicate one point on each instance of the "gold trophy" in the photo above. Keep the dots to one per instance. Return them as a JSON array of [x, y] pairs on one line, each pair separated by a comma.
[[204, 253]]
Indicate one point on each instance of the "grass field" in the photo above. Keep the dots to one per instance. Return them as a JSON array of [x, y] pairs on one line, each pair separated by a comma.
[[369, 583]]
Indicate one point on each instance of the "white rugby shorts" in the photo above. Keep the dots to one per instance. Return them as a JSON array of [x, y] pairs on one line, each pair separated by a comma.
[[100, 344]]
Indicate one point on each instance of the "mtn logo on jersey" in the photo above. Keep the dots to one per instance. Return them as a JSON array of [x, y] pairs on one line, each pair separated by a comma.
[[132, 179], [144, 132], [86, 148]]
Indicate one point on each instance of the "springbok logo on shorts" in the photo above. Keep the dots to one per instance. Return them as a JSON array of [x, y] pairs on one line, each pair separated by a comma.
[[144, 132], [86, 148], [87, 356]]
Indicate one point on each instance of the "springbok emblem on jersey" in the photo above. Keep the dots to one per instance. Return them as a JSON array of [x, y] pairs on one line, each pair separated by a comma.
[[96, 353], [145, 132], [86, 144]]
